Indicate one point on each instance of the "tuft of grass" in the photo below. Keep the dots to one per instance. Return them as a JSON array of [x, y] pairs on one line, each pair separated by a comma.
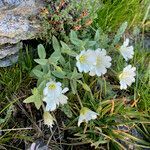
[[114, 12], [15, 84]]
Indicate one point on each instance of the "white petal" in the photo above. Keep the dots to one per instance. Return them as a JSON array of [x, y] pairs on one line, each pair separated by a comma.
[[45, 91], [126, 42], [65, 90], [62, 99], [80, 120], [51, 106], [104, 51], [123, 85], [58, 84]]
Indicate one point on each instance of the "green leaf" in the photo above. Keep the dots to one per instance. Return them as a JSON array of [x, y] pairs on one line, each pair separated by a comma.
[[62, 60], [84, 85], [90, 43], [64, 45], [8, 115], [42, 85], [74, 39], [97, 36], [35, 98], [55, 57], [73, 84], [38, 73], [55, 43], [41, 51], [67, 50], [30, 99], [73, 35], [75, 74], [2, 120], [59, 74], [120, 32], [41, 61], [66, 109]]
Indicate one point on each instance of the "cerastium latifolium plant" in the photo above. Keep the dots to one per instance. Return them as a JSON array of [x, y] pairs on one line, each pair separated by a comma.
[[86, 81]]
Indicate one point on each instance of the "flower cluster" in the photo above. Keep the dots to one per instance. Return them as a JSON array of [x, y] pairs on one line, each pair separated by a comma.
[[127, 77], [54, 95], [95, 62]]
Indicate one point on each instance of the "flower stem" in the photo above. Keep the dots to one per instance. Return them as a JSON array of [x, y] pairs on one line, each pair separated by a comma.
[[79, 99]]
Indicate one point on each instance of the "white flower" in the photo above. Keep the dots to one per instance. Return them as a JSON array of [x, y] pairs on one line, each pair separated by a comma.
[[85, 60], [48, 119], [86, 115], [102, 62], [54, 95], [52, 89], [126, 51], [127, 77]]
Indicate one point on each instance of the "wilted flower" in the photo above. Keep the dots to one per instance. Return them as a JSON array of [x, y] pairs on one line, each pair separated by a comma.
[[86, 115], [54, 95], [101, 64], [48, 119], [127, 77], [126, 51], [85, 60]]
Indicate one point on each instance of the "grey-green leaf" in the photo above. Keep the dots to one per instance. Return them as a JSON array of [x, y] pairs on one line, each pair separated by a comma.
[[66, 109], [41, 61], [97, 35], [55, 43], [59, 74], [38, 73], [41, 51], [120, 32]]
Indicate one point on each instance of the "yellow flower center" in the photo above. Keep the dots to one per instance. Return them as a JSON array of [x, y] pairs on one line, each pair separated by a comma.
[[82, 58], [123, 75], [84, 110], [98, 61], [52, 86]]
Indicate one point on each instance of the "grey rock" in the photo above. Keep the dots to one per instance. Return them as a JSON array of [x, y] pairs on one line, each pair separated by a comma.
[[9, 54], [18, 21]]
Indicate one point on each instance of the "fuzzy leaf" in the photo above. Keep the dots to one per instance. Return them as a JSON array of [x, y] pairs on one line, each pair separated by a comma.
[[35, 98], [73, 84], [41, 51], [55, 57], [120, 32], [74, 39], [59, 74], [97, 35], [55, 43], [67, 50], [76, 75], [66, 109], [38, 73], [41, 61]]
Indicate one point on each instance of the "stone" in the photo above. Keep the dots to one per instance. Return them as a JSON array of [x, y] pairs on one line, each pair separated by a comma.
[[18, 22], [9, 54]]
